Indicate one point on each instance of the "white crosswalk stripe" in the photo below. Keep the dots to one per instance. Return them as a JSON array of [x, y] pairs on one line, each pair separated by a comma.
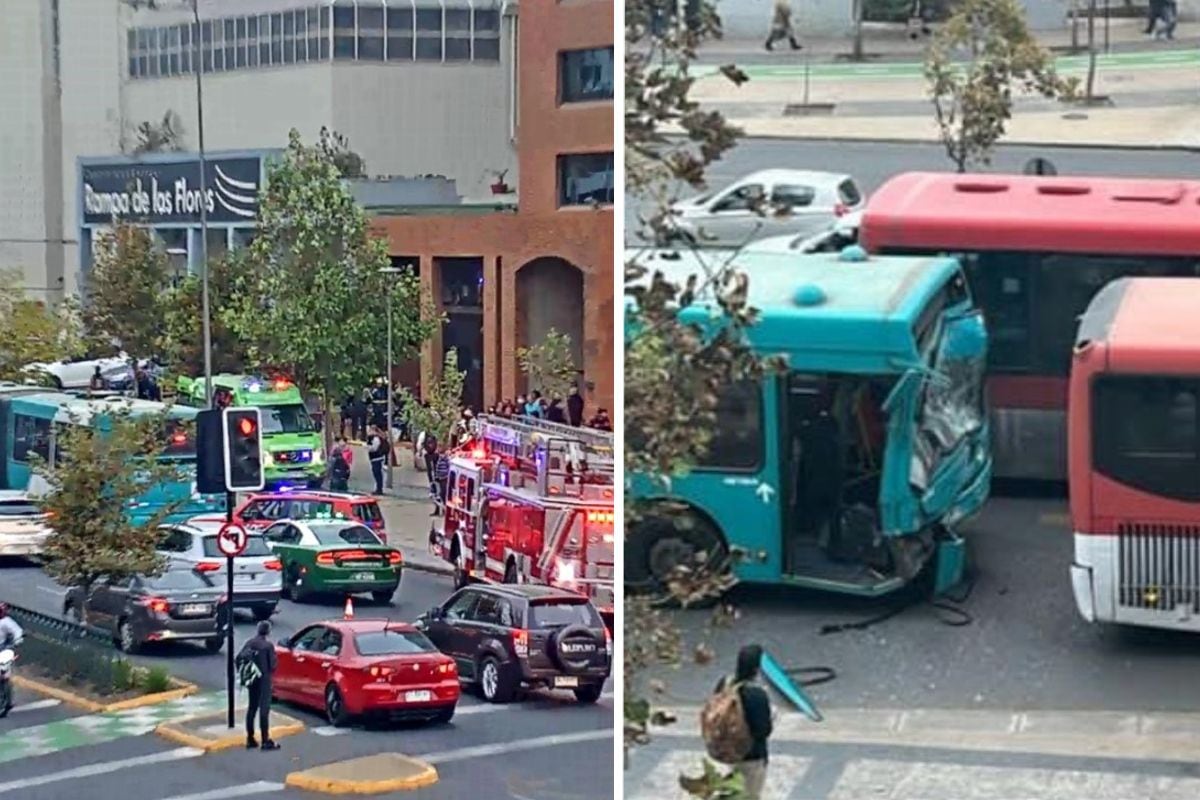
[[662, 783], [908, 780], [231, 792]]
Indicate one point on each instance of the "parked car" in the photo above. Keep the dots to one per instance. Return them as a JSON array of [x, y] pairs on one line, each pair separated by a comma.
[[833, 239], [23, 529], [77, 373], [257, 572], [354, 668], [179, 605], [334, 557], [260, 511], [766, 203], [505, 637]]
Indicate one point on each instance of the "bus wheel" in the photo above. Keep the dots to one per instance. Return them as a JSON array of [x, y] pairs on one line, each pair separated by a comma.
[[662, 546]]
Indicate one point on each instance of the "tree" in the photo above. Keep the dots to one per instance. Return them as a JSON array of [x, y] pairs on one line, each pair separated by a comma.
[[972, 102], [166, 135], [100, 469], [313, 298], [32, 332], [549, 366], [673, 371], [182, 340], [443, 402], [336, 147], [125, 290]]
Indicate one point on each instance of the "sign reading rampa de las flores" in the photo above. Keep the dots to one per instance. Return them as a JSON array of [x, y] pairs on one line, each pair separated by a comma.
[[156, 192]]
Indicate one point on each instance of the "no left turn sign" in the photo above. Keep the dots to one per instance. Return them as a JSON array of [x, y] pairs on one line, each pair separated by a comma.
[[232, 539]]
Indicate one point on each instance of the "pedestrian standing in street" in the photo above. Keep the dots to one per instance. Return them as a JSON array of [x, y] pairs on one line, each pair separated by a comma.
[[736, 722], [441, 475], [377, 452], [781, 25], [429, 447], [256, 666], [575, 407]]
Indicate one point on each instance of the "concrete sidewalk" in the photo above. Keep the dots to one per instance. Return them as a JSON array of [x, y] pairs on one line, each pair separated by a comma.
[[1152, 100]]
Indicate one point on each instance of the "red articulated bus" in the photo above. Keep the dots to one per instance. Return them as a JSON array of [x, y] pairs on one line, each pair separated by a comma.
[[1036, 250], [1134, 443]]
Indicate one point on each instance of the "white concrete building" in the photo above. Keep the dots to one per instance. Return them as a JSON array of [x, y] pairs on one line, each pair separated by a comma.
[[419, 87]]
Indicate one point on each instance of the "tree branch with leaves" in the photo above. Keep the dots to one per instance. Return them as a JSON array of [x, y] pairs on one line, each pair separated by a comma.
[[98, 470], [973, 95], [125, 289], [32, 332], [549, 366], [442, 406]]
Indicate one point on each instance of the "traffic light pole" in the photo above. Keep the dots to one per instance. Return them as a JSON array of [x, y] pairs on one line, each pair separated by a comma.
[[230, 498]]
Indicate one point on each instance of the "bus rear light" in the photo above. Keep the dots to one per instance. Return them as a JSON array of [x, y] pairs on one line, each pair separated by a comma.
[[521, 643]]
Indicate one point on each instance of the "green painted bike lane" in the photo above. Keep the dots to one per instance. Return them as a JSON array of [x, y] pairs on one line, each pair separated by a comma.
[[92, 729], [1140, 60]]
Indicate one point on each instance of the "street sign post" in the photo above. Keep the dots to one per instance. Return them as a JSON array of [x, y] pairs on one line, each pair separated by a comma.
[[231, 541]]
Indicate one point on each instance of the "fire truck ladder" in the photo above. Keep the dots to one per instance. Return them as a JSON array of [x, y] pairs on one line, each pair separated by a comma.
[[561, 458]]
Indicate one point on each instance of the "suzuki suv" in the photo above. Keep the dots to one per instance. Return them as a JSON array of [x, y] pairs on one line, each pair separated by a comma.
[[506, 637]]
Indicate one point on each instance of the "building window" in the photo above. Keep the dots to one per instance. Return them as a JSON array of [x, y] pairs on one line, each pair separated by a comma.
[[458, 34], [343, 33], [585, 75], [289, 37], [264, 40], [252, 42], [173, 48], [370, 33], [185, 49], [400, 34], [277, 39], [585, 178], [302, 35], [240, 52], [487, 35], [325, 33], [429, 34], [206, 38], [131, 47], [231, 43], [164, 52]]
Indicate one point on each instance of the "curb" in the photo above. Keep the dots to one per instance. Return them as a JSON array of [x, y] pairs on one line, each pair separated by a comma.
[[822, 139], [428, 776], [174, 732], [78, 701], [430, 568]]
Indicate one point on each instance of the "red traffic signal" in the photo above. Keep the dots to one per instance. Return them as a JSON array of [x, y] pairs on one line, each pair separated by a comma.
[[246, 426]]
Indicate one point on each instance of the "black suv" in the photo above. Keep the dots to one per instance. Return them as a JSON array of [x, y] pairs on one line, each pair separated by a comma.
[[505, 637]]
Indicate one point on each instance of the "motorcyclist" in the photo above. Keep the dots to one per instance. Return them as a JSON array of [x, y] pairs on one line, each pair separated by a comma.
[[10, 632]]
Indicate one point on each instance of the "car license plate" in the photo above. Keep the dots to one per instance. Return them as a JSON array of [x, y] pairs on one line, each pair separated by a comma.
[[194, 609], [243, 577], [418, 697], [363, 576], [566, 683]]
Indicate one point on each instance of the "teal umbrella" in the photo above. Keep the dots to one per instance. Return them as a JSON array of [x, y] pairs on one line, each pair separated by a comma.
[[783, 682]]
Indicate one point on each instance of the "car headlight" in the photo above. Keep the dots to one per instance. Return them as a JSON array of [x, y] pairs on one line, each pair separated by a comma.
[[267, 458]]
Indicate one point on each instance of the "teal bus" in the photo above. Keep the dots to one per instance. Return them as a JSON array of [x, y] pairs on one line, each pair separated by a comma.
[[30, 422], [293, 455], [851, 469]]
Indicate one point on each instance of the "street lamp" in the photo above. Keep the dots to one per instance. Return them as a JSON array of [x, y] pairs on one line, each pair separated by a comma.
[[388, 373]]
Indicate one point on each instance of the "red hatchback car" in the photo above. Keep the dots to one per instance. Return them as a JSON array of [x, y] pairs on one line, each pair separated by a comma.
[[262, 510], [356, 668]]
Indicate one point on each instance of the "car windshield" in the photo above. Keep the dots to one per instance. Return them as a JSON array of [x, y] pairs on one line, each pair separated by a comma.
[[18, 508], [256, 547], [178, 580], [344, 534], [393, 643], [286, 419], [560, 613]]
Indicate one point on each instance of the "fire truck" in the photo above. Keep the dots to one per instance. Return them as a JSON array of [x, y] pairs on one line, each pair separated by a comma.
[[529, 501]]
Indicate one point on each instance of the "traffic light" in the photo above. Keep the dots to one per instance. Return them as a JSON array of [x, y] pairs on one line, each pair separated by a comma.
[[243, 449], [210, 448]]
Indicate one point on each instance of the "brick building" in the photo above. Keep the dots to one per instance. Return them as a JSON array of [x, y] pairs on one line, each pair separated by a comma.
[[506, 277]]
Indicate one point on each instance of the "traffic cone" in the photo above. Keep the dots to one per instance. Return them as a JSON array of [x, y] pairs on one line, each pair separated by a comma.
[[349, 611]]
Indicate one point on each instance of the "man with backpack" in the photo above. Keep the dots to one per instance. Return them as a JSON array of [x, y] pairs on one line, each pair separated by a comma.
[[256, 665], [736, 723]]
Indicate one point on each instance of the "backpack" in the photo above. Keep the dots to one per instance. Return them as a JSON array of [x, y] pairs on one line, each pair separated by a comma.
[[723, 725], [247, 669]]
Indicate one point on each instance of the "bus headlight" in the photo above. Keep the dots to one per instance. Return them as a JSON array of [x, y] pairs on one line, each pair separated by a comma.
[[318, 456]]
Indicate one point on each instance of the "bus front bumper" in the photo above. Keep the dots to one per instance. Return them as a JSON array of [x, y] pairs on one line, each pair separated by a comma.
[[1095, 574]]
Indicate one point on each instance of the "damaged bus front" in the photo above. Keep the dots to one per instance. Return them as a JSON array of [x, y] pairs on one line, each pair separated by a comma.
[[852, 469]]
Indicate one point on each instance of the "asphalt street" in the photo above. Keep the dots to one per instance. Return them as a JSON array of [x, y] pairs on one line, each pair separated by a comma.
[[542, 747], [872, 163]]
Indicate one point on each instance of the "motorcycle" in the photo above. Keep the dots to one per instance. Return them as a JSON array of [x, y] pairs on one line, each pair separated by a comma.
[[7, 659]]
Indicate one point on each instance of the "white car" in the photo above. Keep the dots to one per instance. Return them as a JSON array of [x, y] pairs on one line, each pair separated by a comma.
[[257, 573], [767, 203], [23, 530], [838, 236], [77, 374]]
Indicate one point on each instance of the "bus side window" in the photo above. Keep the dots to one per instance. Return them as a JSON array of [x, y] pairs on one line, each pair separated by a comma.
[[30, 435]]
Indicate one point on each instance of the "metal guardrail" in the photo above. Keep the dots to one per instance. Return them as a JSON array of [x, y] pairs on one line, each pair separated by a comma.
[[58, 629], [77, 653]]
